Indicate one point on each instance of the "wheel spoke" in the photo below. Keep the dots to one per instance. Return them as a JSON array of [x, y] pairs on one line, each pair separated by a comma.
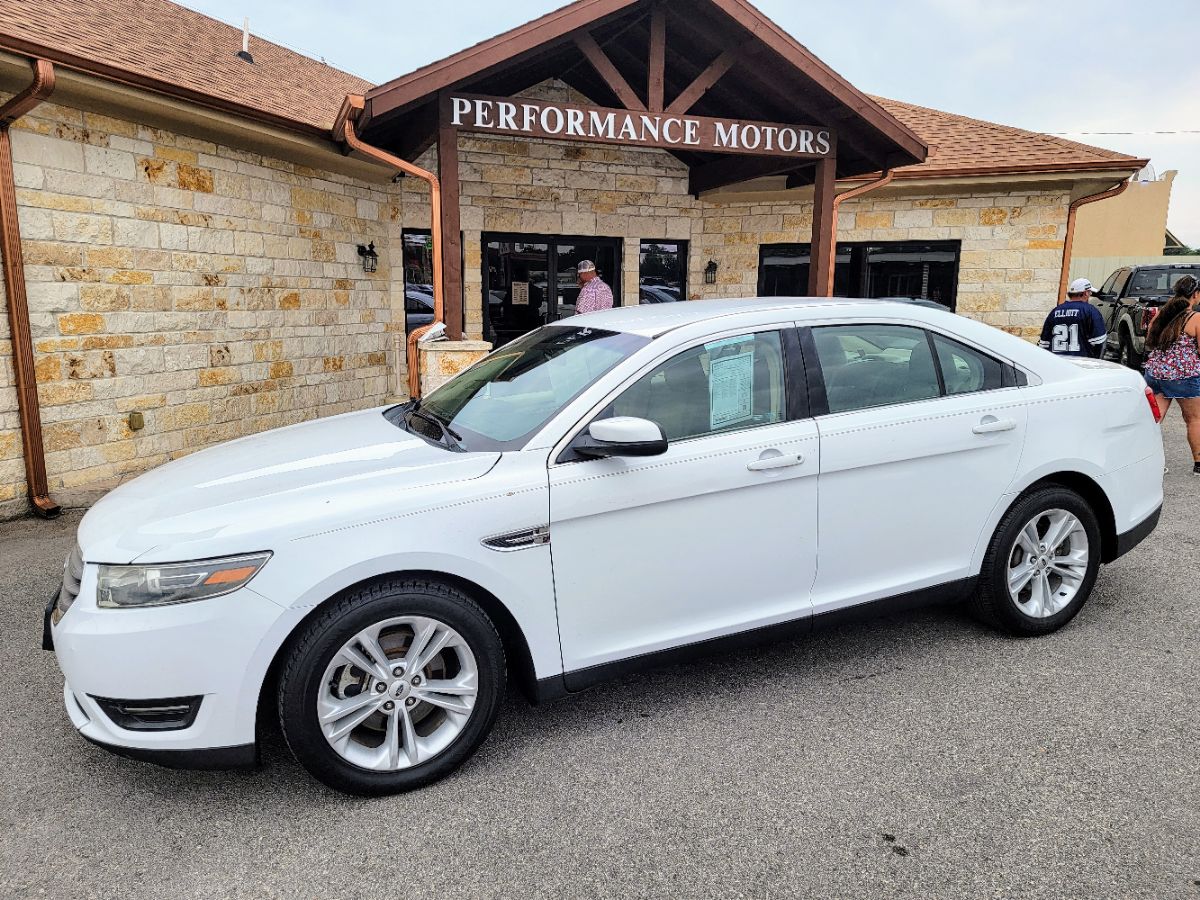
[[391, 739], [1061, 525], [1019, 576], [449, 695], [412, 747], [1029, 538], [422, 635], [355, 657], [350, 722], [342, 708], [432, 649], [370, 643], [1040, 596]]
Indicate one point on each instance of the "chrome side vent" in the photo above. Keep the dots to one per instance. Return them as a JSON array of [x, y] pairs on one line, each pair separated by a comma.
[[72, 576], [519, 540]]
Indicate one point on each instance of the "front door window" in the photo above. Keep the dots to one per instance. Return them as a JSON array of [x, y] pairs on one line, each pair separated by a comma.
[[530, 281]]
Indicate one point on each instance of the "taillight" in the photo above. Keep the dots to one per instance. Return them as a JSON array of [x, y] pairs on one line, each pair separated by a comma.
[[1153, 405], [1148, 317]]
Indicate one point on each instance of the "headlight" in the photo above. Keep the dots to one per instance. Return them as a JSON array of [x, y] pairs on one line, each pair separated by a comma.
[[124, 587]]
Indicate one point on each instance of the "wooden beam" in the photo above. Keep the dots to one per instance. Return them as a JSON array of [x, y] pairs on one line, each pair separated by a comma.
[[606, 70], [452, 280], [705, 80], [658, 58], [733, 170], [820, 269]]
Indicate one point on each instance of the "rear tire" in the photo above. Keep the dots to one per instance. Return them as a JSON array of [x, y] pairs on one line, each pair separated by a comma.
[[1128, 355], [1041, 564], [372, 726]]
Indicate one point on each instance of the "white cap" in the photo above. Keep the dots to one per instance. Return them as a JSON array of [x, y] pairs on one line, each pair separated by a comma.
[[586, 266], [1080, 286]]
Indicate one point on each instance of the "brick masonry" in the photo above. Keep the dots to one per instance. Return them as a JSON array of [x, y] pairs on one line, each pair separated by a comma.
[[219, 292]]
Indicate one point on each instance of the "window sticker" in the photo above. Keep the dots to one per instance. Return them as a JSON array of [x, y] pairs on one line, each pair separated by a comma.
[[520, 293], [731, 390]]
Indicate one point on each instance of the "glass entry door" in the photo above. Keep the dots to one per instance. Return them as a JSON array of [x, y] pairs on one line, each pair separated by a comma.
[[530, 280]]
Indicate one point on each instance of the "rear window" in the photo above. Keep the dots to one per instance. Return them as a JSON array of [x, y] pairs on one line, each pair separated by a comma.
[[1158, 282]]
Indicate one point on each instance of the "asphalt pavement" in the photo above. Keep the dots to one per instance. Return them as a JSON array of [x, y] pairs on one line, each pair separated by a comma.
[[919, 755]]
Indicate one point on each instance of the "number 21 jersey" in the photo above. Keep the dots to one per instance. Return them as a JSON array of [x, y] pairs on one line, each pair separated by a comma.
[[1074, 328]]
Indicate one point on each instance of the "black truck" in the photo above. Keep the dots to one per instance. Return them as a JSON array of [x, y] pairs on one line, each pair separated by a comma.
[[1130, 299]]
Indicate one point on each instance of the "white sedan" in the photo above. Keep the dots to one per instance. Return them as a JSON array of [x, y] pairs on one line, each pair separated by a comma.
[[608, 493]]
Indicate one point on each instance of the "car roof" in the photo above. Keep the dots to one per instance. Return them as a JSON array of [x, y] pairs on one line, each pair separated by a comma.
[[655, 319]]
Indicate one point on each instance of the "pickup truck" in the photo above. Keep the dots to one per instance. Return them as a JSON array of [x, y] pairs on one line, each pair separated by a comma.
[[1130, 299]]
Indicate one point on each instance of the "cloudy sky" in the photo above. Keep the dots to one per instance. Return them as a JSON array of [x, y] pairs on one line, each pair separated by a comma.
[[1105, 72]]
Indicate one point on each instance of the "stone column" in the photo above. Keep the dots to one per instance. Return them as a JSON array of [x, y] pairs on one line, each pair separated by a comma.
[[442, 360]]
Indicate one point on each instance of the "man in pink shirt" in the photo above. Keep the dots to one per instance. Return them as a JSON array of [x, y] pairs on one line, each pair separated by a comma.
[[594, 294]]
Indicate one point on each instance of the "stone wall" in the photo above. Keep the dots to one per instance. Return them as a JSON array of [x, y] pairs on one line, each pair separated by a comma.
[[216, 291], [1012, 245]]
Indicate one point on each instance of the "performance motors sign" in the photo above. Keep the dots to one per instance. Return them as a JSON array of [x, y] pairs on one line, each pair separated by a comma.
[[534, 118]]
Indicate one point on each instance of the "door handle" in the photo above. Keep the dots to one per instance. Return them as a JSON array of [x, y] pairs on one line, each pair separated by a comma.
[[992, 425], [776, 462]]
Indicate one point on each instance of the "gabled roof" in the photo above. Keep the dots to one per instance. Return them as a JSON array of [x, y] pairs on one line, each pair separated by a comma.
[[774, 78], [960, 146], [163, 46]]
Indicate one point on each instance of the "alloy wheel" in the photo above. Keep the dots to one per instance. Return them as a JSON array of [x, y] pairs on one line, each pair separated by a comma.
[[398, 693], [1048, 563]]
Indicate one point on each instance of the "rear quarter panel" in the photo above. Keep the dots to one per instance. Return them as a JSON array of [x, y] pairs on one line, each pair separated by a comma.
[[1089, 418]]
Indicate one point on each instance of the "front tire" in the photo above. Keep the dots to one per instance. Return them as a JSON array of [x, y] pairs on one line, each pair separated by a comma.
[[392, 687], [1041, 564]]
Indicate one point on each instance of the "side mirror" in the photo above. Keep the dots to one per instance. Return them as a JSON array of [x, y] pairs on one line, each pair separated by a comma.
[[622, 436]]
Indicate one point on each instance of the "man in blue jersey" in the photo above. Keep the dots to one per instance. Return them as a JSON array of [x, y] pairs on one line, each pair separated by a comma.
[[1075, 327]]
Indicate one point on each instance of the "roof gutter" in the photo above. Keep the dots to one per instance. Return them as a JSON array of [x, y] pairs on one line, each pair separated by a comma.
[[28, 408], [882, 181], [1069, 243], [344, 133]]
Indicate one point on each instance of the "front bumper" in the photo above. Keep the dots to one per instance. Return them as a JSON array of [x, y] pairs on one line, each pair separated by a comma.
[[216, 649]]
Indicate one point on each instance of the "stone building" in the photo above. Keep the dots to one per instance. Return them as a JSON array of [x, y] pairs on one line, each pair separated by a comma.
[[192, 232]]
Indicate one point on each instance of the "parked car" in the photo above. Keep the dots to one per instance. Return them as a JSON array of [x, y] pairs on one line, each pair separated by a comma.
[[1130, 299], [918, 301], [370, 578]]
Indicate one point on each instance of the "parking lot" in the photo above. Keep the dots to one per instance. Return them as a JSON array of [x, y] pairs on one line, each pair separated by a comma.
[[919, 755]]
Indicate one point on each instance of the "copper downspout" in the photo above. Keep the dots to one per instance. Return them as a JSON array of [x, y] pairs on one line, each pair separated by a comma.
[[18, 300], [1069, 243], [882, 181], [344, 132]]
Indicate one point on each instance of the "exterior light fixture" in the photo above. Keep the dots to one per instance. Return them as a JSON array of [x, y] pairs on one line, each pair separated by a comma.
[[370, 259], [710, 272]]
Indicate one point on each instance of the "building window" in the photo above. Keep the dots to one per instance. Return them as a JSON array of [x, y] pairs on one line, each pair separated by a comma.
[[418, 278], [663, 272], [926, 270]]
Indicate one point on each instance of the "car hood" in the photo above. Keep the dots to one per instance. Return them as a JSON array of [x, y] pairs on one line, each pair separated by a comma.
[[236, 497]]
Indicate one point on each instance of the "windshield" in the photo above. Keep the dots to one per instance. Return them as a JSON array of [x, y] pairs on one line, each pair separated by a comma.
[[500, 402], [1157, 282]]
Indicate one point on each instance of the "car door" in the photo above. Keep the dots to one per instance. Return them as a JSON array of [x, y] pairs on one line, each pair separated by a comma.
[[717, 535], [921, 435]]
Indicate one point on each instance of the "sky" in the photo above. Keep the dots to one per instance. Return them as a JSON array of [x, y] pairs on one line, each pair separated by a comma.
[[1104, 72]]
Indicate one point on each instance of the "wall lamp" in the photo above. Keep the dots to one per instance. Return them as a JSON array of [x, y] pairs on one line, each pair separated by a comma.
[[710, 272], [370, 259]]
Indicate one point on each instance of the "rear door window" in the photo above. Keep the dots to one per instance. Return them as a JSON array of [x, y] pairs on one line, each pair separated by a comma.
[[865, 366]]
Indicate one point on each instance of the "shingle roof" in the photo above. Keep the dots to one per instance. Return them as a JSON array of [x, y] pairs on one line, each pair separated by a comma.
[[959, 145], [165, 46]]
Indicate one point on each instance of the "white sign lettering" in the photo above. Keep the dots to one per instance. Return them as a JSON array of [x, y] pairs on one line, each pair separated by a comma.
[[537, 118]]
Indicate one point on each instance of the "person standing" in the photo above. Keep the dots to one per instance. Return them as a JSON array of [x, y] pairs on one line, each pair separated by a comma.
[[594, 294], [1172, 367], [1075, 327]]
